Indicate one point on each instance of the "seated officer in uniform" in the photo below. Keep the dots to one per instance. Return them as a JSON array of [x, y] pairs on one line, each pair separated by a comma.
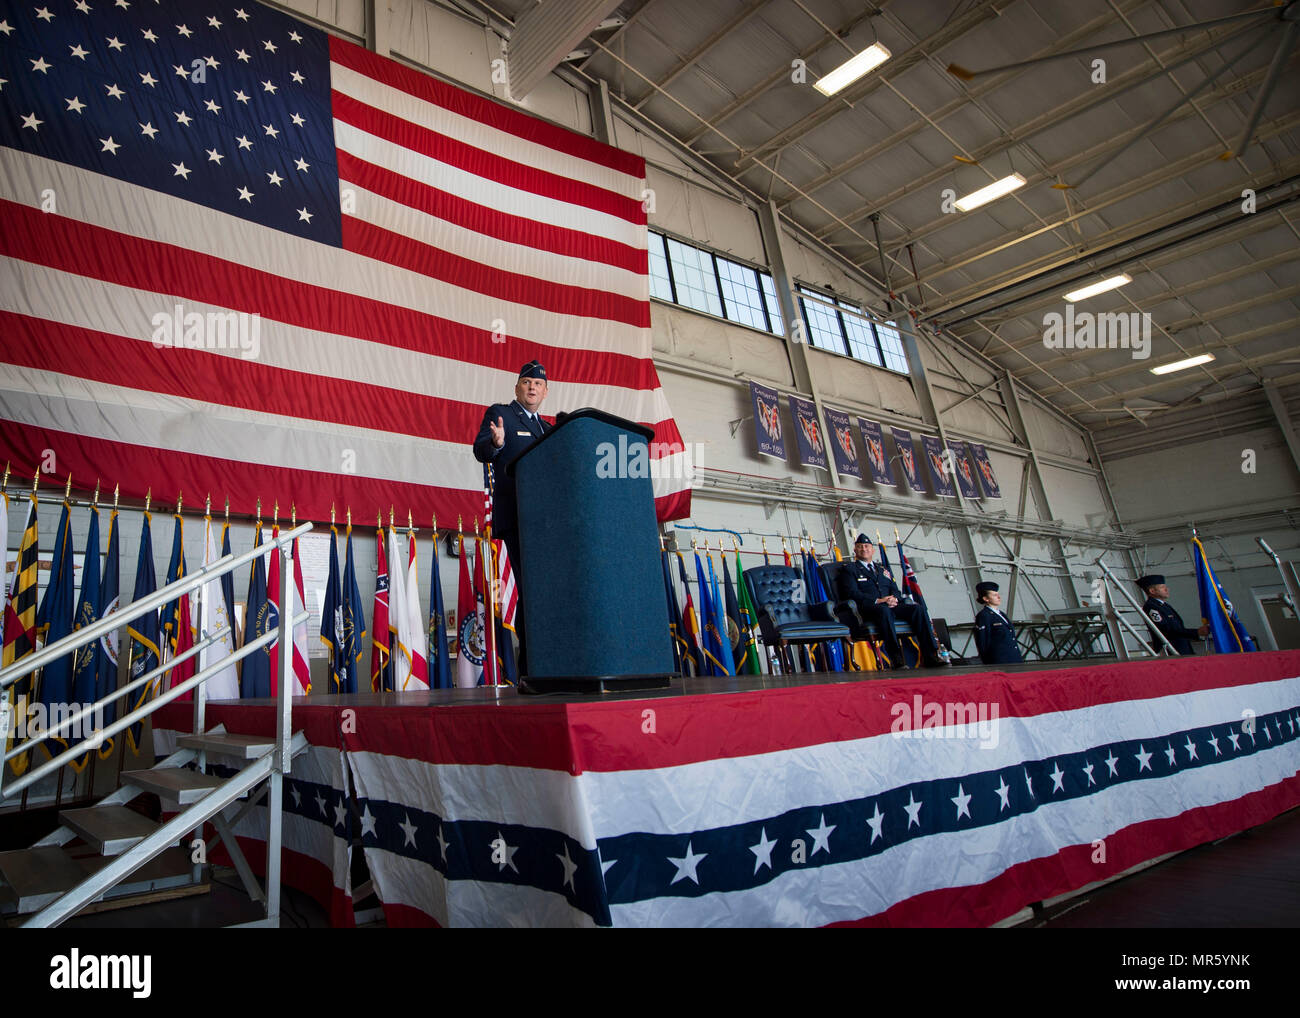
[[1163, 617], [995, 639], [879, 600]]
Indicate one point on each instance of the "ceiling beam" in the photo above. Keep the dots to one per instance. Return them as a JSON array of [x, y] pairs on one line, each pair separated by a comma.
[[547, 33]]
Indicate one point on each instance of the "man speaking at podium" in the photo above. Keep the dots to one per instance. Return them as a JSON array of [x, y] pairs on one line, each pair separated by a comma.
[[507, 430]]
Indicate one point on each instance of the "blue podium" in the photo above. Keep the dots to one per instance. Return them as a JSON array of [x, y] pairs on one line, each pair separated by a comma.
[[590, 581]]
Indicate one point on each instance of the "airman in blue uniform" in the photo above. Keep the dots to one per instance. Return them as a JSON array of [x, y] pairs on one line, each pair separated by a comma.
[[995, 637], [1162, 616]]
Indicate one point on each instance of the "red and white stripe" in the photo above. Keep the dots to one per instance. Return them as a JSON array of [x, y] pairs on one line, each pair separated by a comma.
[[463, 219], [509, 594]]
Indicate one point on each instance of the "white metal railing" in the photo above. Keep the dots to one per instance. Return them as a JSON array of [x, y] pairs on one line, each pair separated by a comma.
[[89, 635], [280, 759]]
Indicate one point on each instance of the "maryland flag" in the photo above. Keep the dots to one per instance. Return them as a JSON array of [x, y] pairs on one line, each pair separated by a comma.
[[20, 623]]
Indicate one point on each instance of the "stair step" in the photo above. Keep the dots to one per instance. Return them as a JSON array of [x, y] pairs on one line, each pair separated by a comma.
[[174, 784], [110, 830], [244, 747], [34, 877], [37, 876]]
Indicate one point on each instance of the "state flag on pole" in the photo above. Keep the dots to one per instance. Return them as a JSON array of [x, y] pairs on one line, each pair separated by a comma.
[[143, 634], [381, 673], [399, 649], [178, 637], [20, 622], [54, 620], [256, 675], [1226, 630], [469, 620], [273, 613], [748, 620], [224, 685], [354, 624], [690, 621], [680, 649], [106, 679], [331, 620], [439, 655], [297, 602], [710, 643], [85, 667], [228, 586], [415, 629]]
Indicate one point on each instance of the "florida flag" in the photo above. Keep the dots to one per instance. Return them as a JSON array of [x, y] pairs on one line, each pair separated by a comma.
[[227, 227]]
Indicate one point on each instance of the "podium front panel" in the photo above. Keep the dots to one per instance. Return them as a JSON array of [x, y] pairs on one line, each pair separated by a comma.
[[590, 579]]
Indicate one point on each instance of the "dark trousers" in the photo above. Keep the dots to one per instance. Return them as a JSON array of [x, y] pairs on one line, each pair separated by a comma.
[[915, 615]]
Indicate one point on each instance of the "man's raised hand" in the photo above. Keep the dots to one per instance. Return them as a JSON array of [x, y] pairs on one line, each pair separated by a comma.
[[498, 433]]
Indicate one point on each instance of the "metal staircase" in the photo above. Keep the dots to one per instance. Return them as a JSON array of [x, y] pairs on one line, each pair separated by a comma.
[[48, 883]]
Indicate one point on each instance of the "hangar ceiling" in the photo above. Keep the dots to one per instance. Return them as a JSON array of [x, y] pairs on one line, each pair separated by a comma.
[[1138, 167]]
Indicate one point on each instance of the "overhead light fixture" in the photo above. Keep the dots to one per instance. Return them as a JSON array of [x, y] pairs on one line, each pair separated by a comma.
[[853, 69], [1190, 362], [1113, 283], [993, 191]]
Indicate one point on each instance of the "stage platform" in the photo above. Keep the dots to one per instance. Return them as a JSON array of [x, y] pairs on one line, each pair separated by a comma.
[[953, 796]]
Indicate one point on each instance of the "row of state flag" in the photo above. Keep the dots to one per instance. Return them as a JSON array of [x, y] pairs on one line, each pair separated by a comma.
[[409, 651], [720, 637]]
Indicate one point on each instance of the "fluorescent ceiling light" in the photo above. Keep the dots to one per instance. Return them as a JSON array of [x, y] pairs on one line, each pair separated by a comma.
[[1114, 282], [1191, 362], [852, 69], [987, 194]]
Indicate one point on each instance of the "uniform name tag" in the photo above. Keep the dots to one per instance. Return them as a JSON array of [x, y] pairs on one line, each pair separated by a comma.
[[523, 434]]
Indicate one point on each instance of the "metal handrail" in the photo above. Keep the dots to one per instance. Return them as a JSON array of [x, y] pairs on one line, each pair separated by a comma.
[[117, 694], [160, 597], [163, 698], [272, 768]]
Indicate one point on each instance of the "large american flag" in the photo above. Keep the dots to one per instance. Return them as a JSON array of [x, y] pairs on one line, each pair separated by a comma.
[[392, 248]]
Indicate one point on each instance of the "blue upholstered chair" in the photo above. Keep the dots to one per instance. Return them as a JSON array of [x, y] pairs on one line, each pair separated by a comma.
[[784, 615]]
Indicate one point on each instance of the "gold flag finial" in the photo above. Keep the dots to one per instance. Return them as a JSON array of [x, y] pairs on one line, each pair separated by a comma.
[[95, 498], [331, 514], [390, 516], [275, 517], [207, 507], [349, 517], [896, 537], [227, 508], [476, 526], [180, 501], [460, 524], [259, 508], [148, 498], [434, 525], [6, 480], [410, 522], [67, 488], [116, 488], [293, 515], [379, 520]]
